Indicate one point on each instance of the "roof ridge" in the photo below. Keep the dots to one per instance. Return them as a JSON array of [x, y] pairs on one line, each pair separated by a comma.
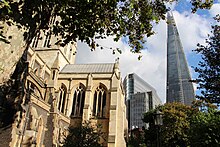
[[89, 68], [89, 63]]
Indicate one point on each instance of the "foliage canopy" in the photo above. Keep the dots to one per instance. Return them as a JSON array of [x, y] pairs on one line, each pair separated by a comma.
[[209, 67], [85, 135], [205, 128], [184, 125], [87, 20], [175, 126]]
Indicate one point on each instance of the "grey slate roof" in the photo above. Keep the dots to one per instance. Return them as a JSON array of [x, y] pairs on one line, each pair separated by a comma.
[[88, 68]]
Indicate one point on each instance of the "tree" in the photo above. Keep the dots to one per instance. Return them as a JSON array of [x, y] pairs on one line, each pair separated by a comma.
[[185, 125], [84, 20], [201, 4], [205, 128], [175, 128], [85, 135], [87, 20], [136, 138], [209, 67]]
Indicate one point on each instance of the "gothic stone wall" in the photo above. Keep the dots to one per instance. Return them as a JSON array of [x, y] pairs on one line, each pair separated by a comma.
[[10, 52]]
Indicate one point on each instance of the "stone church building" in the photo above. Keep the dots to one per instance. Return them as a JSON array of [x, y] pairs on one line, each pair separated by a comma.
[[61, 93]]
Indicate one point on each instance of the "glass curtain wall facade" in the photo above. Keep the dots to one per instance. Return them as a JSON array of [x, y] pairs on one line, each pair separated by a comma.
[[179, 89], [140, 98]]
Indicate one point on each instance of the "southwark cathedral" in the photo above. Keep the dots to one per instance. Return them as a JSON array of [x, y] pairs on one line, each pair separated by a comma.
[[60, 94]]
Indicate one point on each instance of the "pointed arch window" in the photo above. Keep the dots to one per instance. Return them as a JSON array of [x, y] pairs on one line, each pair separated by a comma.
[[62, 98], [47, 39], [53, 76], [35, 40], [48, 33], [78, 101], [99, 102]]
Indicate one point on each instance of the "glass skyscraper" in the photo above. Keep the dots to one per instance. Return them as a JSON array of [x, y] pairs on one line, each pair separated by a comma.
[[179, 89], [140, 98]]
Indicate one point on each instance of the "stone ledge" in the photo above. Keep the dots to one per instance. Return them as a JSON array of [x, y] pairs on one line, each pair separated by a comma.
[[113, 107], [111, 139]]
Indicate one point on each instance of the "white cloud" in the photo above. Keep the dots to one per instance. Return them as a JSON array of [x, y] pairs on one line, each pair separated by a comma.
[[193, 73], [172, 5], [192, 28], [215, 9], [152, 68]]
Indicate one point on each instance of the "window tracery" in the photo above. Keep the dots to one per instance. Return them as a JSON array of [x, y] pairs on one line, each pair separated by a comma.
[[35, 40], [99, 102], [62, 99], [78, 101], [47, 39]]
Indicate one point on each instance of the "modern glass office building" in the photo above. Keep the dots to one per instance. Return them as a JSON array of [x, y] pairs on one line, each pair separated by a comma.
[[140, 98], [179, 89]]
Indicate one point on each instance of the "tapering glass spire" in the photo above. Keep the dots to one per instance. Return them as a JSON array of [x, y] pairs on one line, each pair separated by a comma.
[[179, 89]]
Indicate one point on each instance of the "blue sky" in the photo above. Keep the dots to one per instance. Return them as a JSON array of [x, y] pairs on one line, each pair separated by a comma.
[[193, 29]]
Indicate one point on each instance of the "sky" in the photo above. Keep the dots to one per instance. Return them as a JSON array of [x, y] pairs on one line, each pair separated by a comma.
[[193, 29]]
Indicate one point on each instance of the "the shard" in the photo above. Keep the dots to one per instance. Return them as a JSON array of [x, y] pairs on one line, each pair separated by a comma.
[[179, 87]]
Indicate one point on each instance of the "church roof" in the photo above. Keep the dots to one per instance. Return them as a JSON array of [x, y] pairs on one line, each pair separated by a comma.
[[88, 68]]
